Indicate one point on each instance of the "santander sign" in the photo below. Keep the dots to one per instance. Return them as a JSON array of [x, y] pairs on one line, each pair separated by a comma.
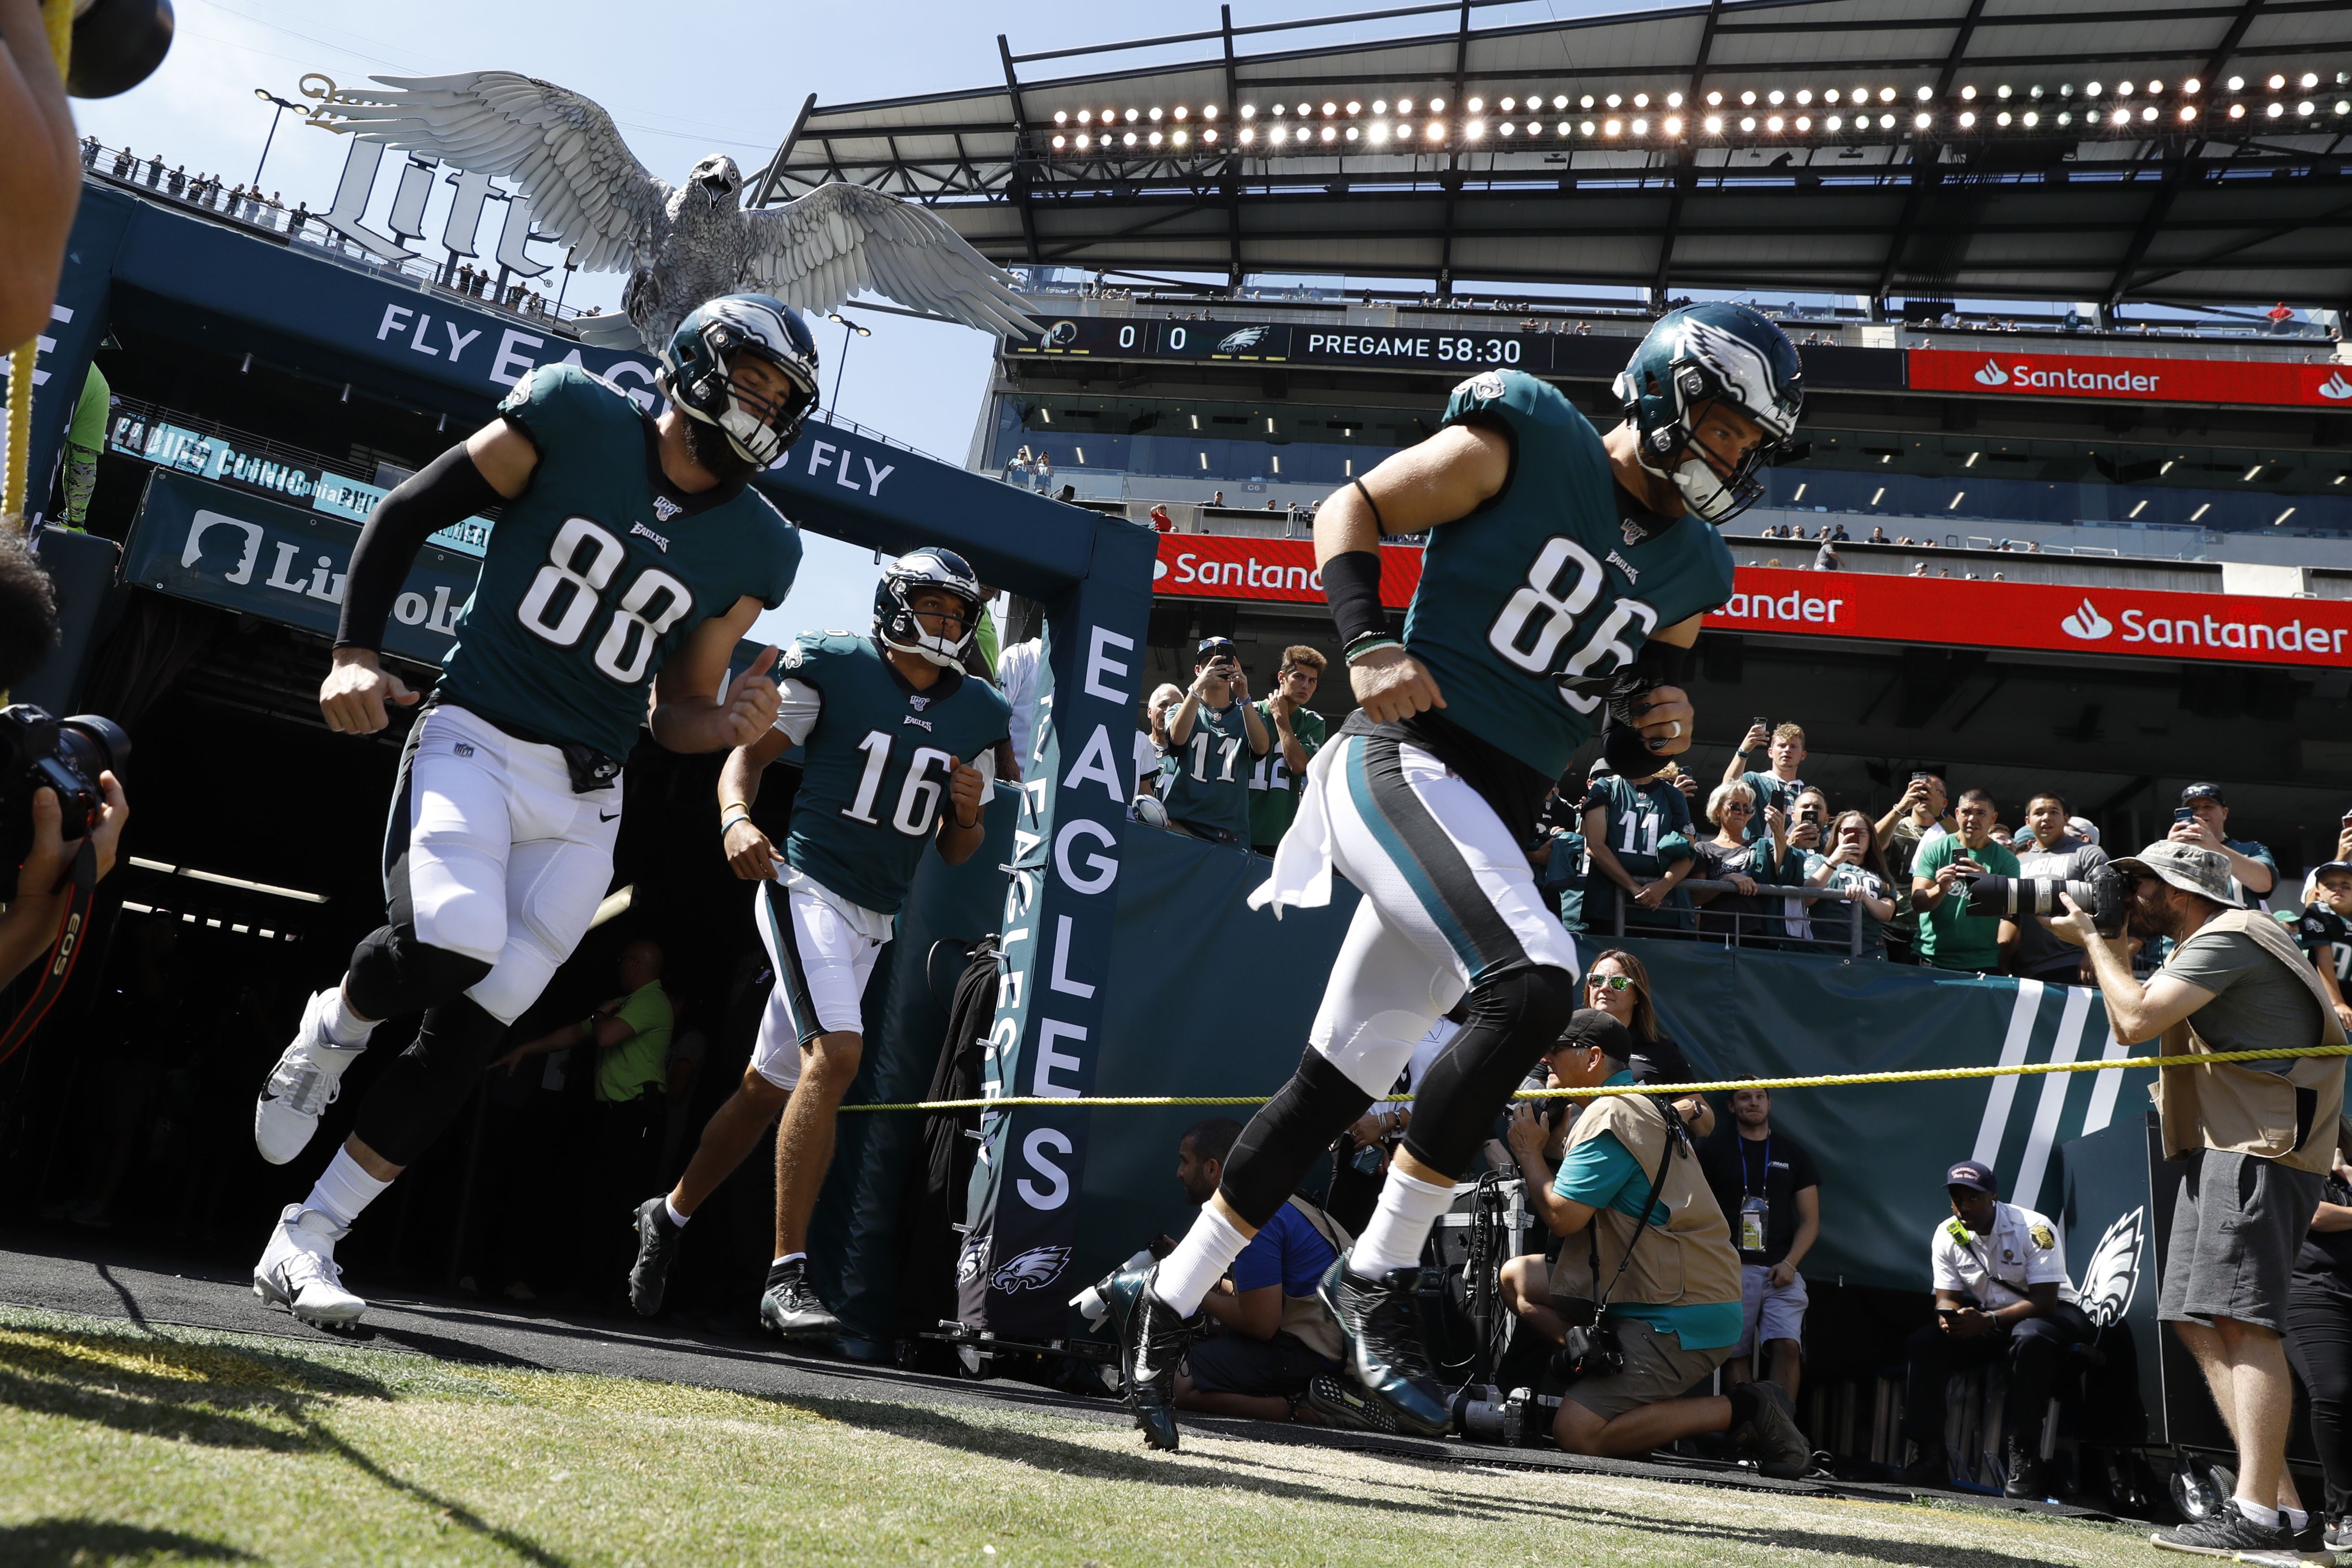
[[2266, 382]]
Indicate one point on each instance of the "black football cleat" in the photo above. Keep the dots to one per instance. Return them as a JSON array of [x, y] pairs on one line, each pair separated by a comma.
[[1771, 1437], [792, 1308], [1152, 1339], [1384, 1351], [657, 1242]]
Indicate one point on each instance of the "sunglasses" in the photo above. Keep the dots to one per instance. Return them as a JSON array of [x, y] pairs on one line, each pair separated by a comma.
[[1739, 805], [1614, 982]]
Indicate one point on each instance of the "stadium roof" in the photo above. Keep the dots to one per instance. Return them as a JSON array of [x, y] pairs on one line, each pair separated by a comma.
[[2077, 150]]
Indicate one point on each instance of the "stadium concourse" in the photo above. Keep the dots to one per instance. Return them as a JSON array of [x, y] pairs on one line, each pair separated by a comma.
[[2055, 565]]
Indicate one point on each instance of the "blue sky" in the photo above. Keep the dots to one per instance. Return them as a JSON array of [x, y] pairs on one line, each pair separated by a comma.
[[681, 80]]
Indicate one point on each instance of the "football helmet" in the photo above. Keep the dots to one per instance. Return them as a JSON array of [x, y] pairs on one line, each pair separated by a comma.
[[1699, 356], [695, 372], [895, 621]]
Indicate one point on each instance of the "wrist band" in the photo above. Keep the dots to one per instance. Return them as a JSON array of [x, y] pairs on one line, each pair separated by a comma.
[[1370, 642], [729, 823], [742, 806], [1352, 581]]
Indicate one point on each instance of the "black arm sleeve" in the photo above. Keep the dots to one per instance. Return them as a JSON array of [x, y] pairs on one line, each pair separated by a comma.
[[446, 491], [1352, 581]]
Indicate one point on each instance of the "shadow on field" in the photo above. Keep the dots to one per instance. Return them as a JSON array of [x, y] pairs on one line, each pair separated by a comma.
[[1941, 1553], [70, 1543], [243, 1398]]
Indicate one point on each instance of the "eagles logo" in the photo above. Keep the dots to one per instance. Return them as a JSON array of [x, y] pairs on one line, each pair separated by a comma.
[[2111, 1277], [974, 1259], [1247, 338], [2042, 1237], [1032, 1270]]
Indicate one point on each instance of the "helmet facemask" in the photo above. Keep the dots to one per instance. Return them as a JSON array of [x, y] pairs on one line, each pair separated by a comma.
[[699, 375], [896, 621], [1711, 368]]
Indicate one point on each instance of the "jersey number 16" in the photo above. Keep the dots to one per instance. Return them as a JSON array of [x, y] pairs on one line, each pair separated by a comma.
[[919, 797]]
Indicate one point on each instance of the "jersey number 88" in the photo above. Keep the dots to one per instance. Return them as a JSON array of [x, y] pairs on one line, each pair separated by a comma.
[[629, 640], [1540, 616]]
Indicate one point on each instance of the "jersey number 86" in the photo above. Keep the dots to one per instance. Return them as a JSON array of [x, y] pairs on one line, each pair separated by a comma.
[[1541, 615]]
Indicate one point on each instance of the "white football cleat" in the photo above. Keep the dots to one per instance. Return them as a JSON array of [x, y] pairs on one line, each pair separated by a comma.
[[302, 1086], [298, 1270]]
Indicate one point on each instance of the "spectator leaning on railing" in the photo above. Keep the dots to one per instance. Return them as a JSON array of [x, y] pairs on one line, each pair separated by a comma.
[[1637, 846], [1950, 937], [1731, 856], [1298, 733], [1852, 864], [2259, 1138], [2051, 851]]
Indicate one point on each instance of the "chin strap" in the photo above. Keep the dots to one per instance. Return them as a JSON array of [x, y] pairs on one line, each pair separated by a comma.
[[63, 953]]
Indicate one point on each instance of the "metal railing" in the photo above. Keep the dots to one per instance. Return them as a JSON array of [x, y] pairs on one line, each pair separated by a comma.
[[1781, 939], [297, 225]]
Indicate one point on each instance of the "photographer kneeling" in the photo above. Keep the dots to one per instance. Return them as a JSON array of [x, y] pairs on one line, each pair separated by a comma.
[[1654, 1290], [2259, 1138]]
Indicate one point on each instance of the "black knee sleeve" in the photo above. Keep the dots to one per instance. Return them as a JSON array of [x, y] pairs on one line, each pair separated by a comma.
[[428, 1083], [1513, 1021], [392, 972], [1288, 1135]]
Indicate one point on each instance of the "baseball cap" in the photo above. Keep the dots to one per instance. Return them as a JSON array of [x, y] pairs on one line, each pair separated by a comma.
[[2212, 792], [2187, 867], [1588, 1026], [2331, 866], [1975, 1175], [2084, 828], [1212, 646]]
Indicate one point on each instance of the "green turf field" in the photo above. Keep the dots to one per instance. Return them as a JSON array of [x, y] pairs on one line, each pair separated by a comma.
[[122, 1444]]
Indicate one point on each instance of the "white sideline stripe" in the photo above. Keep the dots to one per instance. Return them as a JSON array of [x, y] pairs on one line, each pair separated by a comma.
[[2105, 1086], [2003, 1092], [2072, 1024]]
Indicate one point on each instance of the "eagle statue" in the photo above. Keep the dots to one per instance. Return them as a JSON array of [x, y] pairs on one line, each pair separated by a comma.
[[684, 243]]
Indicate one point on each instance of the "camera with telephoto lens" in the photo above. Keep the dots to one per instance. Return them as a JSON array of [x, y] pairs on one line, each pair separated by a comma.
[[1591, 1348], [2106, 896], [66, 756]]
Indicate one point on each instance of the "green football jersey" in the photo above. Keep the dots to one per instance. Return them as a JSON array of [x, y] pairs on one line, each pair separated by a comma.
[[1205, 782], [1548, 580], [874, 765], [598, 571], [1274, 788]]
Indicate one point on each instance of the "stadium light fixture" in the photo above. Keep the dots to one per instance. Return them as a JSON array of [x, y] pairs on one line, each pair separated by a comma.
[[1674, 126], [1614, 101], [1641, 128], [1380, 131], [1747, 122], [1329, 110], [1508, 128], [1209, 136], [2001, 92], [1968, 119], [1835, 122], [2124, 89], [2001, 118], [1305, 110], [1584, 102], [1180, 138], [1968, 95], [1086, 116], [2149, 113], [1475, 105], [1331, 133], [1641, 101], [1804, 123], [2200, 511], [1436, 131], [1561, 102], [1714, 124], [2342, 107], [2032, 119], [1248, 135], [1379, 106], [1477, 127], [1278, 135], [1773, 124], [1612, 127], [1155, 115], [2275, 110], [1830, 96], [1153, 139], [2282, 517], [1923, 120], [2122, 117], [2277, 82], [1208, 111], [1713, 100], [2192, 86], [2137, 507], [1886, 95], [1404, 106], [2310, 80], [2155, 88], [1927, 94], [2236, 84], [1249, 111], [1354, 108], [1062, 116], [1128, 140], [2303, 108], [1437, 106], [1352, 133], [1776, 98], [1180, 113], [2065, 117], [1280, 109], [1748, 99], [1509, 104], [1060, 142], [2091, 90], [1130, 116]]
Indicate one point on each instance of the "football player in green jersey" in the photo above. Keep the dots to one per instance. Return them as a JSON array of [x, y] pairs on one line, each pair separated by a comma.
[[1565, 573], [630, 555], [899, 750], [1214, 736]]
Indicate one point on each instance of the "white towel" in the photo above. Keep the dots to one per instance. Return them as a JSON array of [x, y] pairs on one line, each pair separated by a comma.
[[1302, 861]]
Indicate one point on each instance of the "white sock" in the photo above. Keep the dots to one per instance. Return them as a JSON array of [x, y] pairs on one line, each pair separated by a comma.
[[676, 1218], [2297, 1520], [2268, 1517], [343, 1026], [1399, 1225], [788, 1258], [1200, 1260], [343, 1190]]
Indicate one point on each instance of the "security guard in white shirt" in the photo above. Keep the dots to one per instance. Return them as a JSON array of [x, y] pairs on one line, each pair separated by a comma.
[[2009, 1260]]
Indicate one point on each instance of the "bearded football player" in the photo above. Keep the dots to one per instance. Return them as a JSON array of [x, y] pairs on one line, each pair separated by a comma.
[[630, 555], [1562, 587]]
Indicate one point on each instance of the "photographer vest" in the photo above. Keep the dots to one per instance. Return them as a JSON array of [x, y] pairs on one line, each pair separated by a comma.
[[1690, 1262], [1305, 1317], [2240, 1107]]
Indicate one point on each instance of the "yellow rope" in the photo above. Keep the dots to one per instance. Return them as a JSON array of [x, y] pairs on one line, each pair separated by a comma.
[[57, 18], [1821, 1080]]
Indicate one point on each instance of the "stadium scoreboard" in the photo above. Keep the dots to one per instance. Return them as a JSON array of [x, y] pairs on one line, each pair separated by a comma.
[[1290, 343]]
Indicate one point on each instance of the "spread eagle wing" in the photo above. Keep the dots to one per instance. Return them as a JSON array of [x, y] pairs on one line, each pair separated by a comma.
[[815, 252], [2112, 1275], [561, 148]]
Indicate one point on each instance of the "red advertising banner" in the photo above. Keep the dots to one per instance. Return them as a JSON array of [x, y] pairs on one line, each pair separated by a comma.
[[1871, 606], [2262, 382]]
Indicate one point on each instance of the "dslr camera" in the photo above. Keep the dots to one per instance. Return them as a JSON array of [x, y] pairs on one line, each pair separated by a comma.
[[1591, 1348], [2106, 896], [66, 756]]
